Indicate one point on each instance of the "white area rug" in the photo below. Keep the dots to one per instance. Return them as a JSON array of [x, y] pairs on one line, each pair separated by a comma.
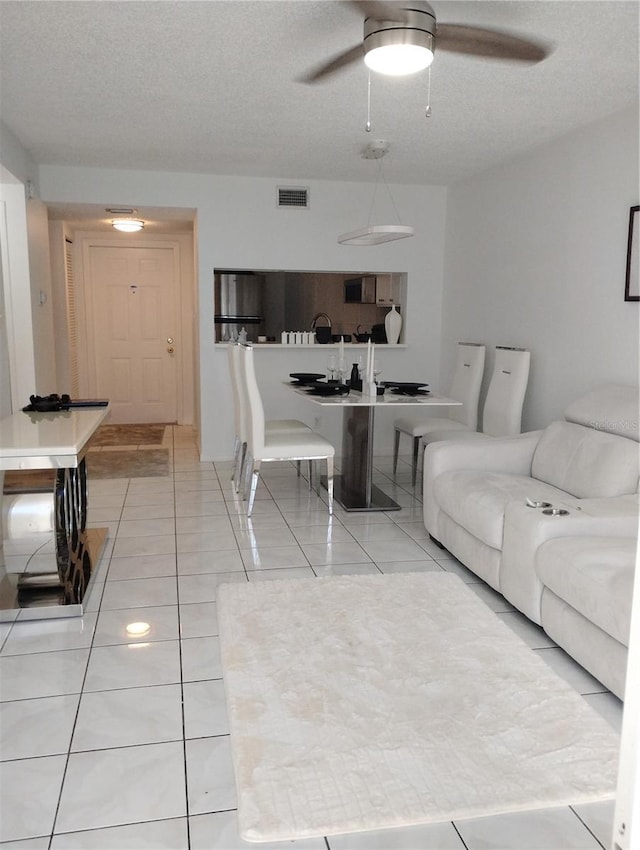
[[365, 702]]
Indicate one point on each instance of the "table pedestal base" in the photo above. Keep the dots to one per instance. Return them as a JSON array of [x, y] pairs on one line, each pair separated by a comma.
[[350, 501]]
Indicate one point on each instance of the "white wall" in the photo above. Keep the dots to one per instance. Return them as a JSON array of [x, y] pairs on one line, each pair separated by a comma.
[[41, 298], [535, 257], [240, 226]]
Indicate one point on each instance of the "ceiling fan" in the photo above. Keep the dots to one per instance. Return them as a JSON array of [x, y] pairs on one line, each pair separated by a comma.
[[401, 39]]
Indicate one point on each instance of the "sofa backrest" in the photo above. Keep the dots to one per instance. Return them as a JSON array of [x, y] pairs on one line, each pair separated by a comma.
[[595, 453]]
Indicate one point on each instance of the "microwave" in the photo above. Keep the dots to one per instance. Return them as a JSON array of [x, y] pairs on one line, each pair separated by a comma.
[[360, 290]]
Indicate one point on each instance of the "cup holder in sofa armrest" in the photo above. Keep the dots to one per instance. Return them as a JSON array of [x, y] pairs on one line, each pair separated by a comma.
[[555, 512], [535, 503]]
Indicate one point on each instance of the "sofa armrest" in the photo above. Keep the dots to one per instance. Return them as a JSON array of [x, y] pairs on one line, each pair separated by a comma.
[[511, 455], [526, 529]]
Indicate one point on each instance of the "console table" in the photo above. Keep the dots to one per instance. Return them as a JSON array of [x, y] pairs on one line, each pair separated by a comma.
[[55, 441]]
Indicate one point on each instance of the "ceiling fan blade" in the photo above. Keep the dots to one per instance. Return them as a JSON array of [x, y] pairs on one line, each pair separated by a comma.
[[491, 44], [347, 57]]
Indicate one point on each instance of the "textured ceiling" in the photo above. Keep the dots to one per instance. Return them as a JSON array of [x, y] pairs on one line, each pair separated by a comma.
[[211, 87]]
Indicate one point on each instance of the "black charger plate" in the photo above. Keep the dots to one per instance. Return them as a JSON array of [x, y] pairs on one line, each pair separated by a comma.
[[304, 378]]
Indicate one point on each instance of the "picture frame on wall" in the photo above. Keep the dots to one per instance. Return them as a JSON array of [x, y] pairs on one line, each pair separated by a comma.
[[632, 284]]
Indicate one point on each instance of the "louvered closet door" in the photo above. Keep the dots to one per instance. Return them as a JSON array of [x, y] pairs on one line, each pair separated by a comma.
[[134, 316]]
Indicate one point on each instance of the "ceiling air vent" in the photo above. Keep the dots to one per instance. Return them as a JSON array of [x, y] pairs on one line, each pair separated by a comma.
[[293, 196]]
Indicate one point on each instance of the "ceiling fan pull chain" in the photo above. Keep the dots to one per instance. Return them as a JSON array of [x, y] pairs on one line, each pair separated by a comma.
[[427, 112], [368, 124]]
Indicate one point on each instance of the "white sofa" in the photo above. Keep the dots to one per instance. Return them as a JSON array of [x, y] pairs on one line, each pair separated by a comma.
[[475, 505]]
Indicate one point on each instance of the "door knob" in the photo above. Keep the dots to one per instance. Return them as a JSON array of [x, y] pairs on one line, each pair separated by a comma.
[[170, 340], [170, 349]]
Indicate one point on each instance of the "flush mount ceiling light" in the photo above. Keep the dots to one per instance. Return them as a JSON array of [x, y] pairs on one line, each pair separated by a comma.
[[376, 234], [398, 48], [128, 225], [125, 225]]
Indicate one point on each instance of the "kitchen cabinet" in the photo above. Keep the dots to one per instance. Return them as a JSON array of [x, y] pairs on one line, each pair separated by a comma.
[[384, 289]]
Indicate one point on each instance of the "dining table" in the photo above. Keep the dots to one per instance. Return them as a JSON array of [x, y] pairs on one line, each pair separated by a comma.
[[354, 489]]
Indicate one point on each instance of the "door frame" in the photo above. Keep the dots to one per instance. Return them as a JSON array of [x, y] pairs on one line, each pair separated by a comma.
[[184, 351]]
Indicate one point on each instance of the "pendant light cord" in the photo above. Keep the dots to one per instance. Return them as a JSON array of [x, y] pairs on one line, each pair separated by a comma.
[[375, 192]]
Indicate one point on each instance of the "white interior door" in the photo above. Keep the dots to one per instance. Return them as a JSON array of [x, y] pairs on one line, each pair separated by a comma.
[[134, 326]]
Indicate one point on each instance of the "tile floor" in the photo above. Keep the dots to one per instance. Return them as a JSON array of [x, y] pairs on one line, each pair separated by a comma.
[[114, 735]]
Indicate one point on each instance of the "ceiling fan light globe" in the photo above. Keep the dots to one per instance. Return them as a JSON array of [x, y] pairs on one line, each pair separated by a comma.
[[398, 60]]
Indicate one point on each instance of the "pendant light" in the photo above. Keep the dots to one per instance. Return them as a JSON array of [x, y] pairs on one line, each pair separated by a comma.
[[376, 234]]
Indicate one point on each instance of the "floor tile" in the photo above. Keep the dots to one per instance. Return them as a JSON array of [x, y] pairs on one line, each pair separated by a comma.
[[49, 635], [128, 717], [599, 819], [158, 545], [394, 550], [280, 574], [137, 625], [210, 780], [264, 537], [608, 706], [215, 561], [37, 727], [219, 831], [494, 600], [551, 829], [382, 531], [144, 592], [201, 659], [111, 787], [133, 512], [427, 565], [145, 527], [532, 634], [203, 588], [198, 619], [365, 568], [213, 506], [157, 835], [205, 709], [437, 836], [141, 566], [273, 558], [42, 674], [203, 524], [133, 666], [335, 553], [205, 541], [30, 791], [570, 671], [331, 533]]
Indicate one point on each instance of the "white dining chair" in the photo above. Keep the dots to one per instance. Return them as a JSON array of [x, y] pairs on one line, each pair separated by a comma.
[[241, 424], [264, 446], [502, 410], [465, 388]]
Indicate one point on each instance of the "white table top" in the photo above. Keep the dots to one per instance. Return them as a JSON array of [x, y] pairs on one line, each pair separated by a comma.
[[48, 440], [389, 399]]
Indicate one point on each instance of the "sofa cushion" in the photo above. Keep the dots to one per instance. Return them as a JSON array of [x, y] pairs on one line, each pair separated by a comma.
[[585, 462], [477, 499], [594, 575]]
